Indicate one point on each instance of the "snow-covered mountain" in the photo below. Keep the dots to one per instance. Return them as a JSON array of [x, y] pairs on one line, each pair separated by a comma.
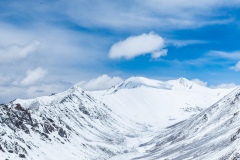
[[68, 125], [108, 124]]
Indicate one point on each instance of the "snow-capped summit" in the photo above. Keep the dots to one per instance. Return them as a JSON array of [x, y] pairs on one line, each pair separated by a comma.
[[135, 82], [185, 82]]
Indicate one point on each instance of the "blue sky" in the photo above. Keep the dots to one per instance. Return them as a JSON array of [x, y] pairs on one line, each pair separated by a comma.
[[47, 46]]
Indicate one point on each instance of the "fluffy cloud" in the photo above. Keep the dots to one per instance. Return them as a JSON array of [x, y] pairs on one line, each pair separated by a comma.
[[224, 85], [236, 67], [100, 83], [139, 45], [13, 52], [198, 81], [33, 76]]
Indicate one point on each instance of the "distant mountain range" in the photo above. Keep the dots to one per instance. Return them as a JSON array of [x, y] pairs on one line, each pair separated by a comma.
[[138, 118]]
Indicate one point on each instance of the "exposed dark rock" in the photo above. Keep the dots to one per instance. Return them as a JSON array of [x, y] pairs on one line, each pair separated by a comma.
[[50, 120], [19, 107], [83, 110], [47, 128], [1, 148], [68, 127], [44, 135], [62, 133], [22, 156], [205, 118]]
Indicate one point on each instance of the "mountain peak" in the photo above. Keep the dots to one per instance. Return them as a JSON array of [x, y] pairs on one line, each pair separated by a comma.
[[185, 82], [75, 88], [135, 82]]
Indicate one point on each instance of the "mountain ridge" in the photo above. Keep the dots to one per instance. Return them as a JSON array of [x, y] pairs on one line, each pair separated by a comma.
[[72, 118], [134, 82]]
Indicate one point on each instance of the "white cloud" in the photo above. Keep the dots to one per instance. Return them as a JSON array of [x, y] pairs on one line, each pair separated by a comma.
[[59, 49], [100, 83], [198, 81], [33, 76], [138, 45], [236, 67], [13, 52], [224, 85]]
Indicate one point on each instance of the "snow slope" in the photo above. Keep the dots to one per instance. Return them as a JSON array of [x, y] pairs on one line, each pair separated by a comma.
[[159, 103], [213, 134]]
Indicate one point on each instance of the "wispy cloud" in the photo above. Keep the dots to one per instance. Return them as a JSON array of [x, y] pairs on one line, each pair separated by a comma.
[[171, 14], [222, 54], [153, 13], [181, 43]]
